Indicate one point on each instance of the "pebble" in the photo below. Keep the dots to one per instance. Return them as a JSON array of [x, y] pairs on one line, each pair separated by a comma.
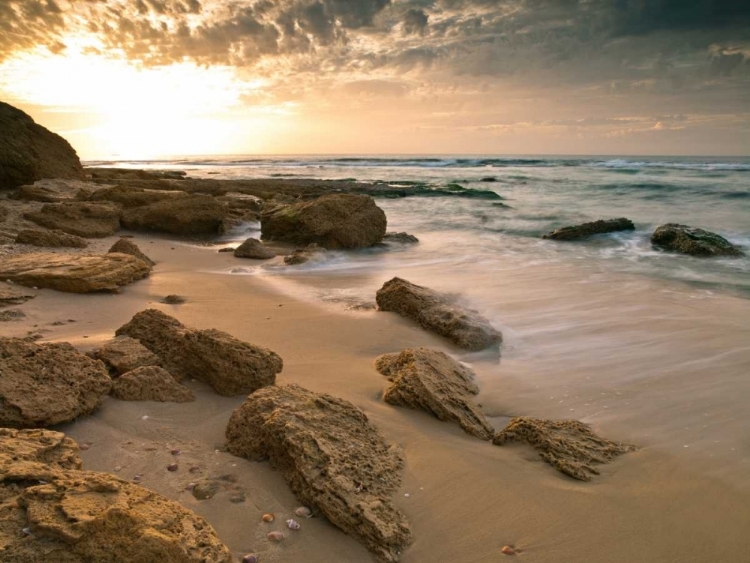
[[507, 550], [194, 469], [275, 536], [250, 558], [175, 452], [303, 512], [292, 524], [137, 479], [268, 518], [144, 417], [190, 486], [172, 467], [85, 446]]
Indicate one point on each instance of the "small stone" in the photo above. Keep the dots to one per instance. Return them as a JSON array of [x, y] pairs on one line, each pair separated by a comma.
[[137, 479], [268, 518], [175, 452], [507, 550], [190, 486], [172, 467], [84, 446], [275, 536], [174, 300], [195, 469], [27, 531], [118, 468], [250, 558]]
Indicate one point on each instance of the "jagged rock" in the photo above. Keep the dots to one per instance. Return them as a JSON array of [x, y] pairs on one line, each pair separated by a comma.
[[73, 273], [241, 208], [434, 382], [47, 384], [230, 366], [130, 197], [567, 445], [11, 315], [50, 239], [192, 215], [103, 173], [89, 220], [38, 193], [584, 230], [332, 221], [302, 255], [126, 246], [124, 354], [53, 511], [253, 248], [437, 313], [14, 295], [29, 152], [150, 383], [693, 241], [403, 238], [332, 457]]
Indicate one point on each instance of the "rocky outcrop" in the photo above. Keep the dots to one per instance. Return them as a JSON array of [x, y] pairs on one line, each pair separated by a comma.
[[53, 511], [403, 238], [3, 213], [129, 197], [577, 232], [301, 255], [126, 246], [124, 354], [193, 215], [332, 457], [567, 445], [230, 366], [150, 383], [437, 313], [88, 220], [436, 383], [13, 295], [253, 248], [73, 273], [50, 239], [39, 193], [332, 221], [693, 241], [47, 384], [29, 152]]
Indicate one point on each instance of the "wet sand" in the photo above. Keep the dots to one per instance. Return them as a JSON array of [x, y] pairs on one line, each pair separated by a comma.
[[466, 498]]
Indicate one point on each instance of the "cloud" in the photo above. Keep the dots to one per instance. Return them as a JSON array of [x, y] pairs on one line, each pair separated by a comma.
[[415, 21]]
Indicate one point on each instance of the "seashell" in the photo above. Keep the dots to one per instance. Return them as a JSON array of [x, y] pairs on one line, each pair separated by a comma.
[[251, 558], [275, 536], [507, 550], [27, 531], [303, 512], [144, 417], [190, 486], [268, 518], [137, 479], [172, 467], [292, 524]]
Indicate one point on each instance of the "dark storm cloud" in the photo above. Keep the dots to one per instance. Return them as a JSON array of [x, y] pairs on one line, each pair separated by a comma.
[[639, 16], [415, 21]]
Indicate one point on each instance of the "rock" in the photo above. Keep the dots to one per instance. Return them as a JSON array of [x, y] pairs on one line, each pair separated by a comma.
[[124, 354], [488, 179], [567, 445], [332, 457], [126, 246], [3, 213], [693, 241], [332, 221], [50, 239], [47, 384], [403, 238], [253, 248], [73, 273], [230, 366], [104, 173], [14, 295], [435, 312], [206, 489], [150, 383], [84, 517], [38, 193], [174, 300], [129, 197], [11, 315], [193, 215], [302, 255], [585, 230], [89, 220], [434, 382], [241, 208], [29, 152]]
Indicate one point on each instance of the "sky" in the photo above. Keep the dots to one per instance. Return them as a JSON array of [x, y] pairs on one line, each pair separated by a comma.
[[149, 78]]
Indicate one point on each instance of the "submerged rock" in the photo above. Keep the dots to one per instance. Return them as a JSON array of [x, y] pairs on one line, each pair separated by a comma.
[[150, 383], [338, 221], [693, 241], [230, 366], [403, 238], [88, 220], [47, 384], [584, 230], [434, 382], [192, 215], [332, 457], [50, 239], [567, 445], [29, 152], [302, 255], [126, 246], [253, 248], [74, 273], [437, 313], [53, 511], [124, 354]]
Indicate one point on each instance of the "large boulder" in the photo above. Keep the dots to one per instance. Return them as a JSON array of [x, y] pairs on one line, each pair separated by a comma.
[[332, 457], [29, 152], [89, 220], [253, 248], [126, 246], [434, 382], [192, 215], [53, 511], [438, 313], [124, 354], [230, 366], [50, 239], [584, 230], [332, 221], [74, 273], [46, 384], [129, 197], [693, 241], [150, 383], [567, 445]]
